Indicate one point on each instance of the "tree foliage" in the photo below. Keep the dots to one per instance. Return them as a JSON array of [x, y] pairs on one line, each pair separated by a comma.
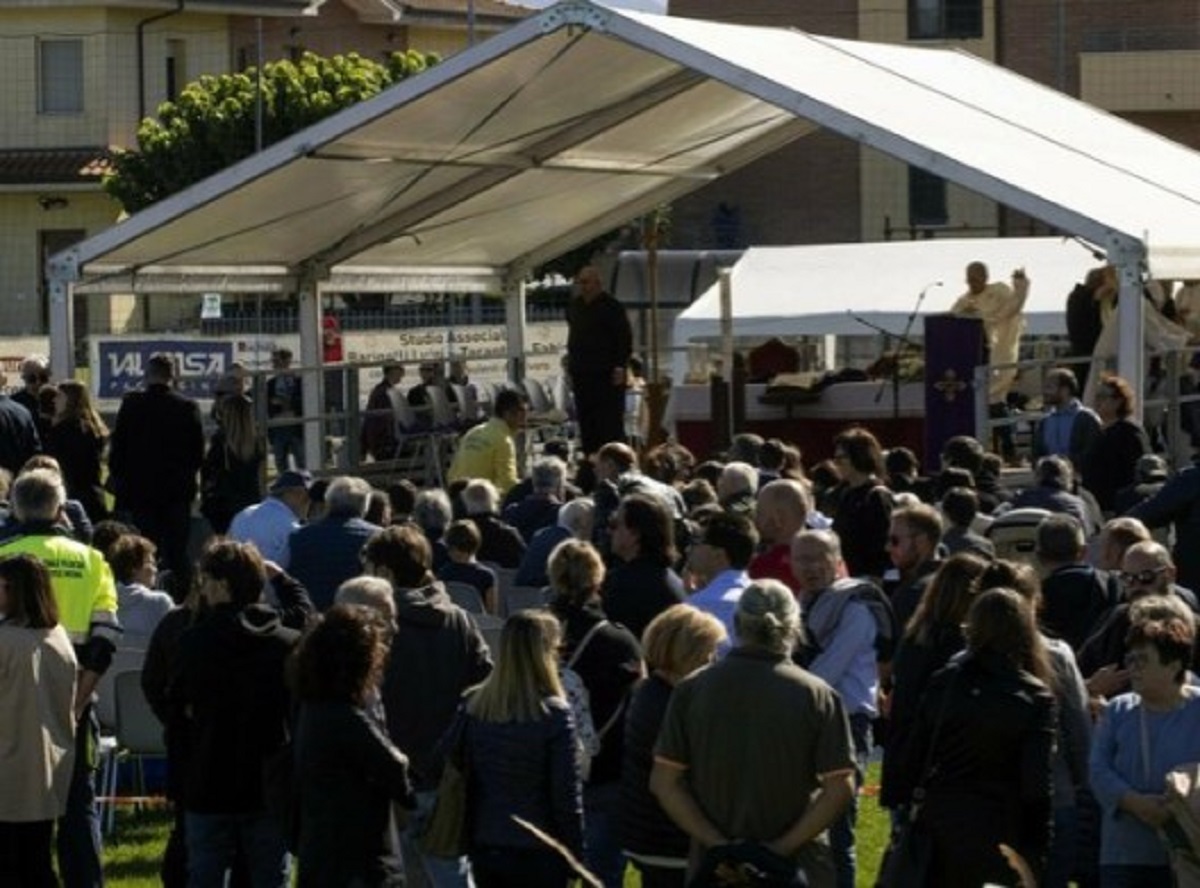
[[212, 124]]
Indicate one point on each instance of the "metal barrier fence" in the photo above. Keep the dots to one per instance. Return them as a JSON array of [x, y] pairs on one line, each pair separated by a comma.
[[1172, 391]]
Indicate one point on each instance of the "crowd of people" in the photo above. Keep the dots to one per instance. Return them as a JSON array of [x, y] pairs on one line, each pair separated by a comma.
[[721, 647]]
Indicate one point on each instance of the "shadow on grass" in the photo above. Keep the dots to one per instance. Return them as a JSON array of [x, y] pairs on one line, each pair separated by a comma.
[[134, 851]]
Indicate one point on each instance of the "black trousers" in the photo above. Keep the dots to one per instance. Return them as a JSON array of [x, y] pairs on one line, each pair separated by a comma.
[[25, 854], [600, 410]]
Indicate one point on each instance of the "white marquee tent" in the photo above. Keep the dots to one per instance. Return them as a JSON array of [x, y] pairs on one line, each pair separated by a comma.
[[579, 118], [822, 290]]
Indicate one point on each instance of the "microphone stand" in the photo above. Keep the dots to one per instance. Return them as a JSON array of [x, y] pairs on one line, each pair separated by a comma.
[[898, 343]]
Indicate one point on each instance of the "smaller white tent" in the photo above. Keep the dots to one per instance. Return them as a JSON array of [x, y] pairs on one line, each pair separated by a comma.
[[820, 290]]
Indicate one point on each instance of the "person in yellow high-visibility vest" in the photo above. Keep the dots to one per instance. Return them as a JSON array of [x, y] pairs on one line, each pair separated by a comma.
[[86, 596]]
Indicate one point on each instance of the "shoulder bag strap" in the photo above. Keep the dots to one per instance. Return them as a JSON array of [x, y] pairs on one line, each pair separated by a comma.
[[584, 642]]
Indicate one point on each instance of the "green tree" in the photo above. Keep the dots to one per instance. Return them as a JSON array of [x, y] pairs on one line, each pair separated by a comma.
[[212, 124]]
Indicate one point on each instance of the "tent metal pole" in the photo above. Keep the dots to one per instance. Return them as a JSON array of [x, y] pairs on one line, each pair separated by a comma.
[[514, 321], [61, 272], [725, 277], [1131, 326], [308, 297]]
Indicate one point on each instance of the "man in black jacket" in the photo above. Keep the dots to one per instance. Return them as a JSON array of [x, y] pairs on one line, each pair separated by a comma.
[[18, 434], [437, 654], [156, 451], [1075, 596], [599, 343], [229, 693]]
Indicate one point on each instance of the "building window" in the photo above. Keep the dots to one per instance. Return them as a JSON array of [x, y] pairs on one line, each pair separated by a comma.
[[945, 19], [60, 76], [926, 199], [176, 73]]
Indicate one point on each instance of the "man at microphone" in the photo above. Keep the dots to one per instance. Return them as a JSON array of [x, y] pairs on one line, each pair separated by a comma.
[[1000, 307]]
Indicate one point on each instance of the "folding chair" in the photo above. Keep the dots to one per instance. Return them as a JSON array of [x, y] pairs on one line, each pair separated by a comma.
[[519, 598], [416, 444], [490, 627], [466, 596], [1014, 534]]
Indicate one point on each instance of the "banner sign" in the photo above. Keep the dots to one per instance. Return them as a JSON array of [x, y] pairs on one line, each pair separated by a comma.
[[119, 364]]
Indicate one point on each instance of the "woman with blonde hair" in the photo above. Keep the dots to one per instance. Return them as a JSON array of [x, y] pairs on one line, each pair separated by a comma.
[[677, 642], [608, 659], [519, 747], [231, 475], [77, 438]]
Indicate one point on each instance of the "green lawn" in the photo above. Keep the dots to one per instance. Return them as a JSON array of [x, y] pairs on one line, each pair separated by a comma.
[[132, 854]]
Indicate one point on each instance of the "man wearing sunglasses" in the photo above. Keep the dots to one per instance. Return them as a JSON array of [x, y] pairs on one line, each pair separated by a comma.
[[1146, 569]]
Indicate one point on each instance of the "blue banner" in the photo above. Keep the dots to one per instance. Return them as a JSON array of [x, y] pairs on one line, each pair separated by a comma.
[[199, 364]]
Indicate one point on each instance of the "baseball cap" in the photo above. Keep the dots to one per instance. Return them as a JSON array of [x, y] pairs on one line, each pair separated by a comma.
[[292, 479]]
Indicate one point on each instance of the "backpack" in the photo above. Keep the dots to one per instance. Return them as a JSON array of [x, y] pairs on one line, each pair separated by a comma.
[[866, 593], [588, 738]]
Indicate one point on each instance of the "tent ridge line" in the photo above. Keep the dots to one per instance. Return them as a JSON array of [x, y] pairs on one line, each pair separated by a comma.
[[855, 127], [840, 49]]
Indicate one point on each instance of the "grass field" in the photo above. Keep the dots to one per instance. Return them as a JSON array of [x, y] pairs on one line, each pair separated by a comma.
[[133, 853]]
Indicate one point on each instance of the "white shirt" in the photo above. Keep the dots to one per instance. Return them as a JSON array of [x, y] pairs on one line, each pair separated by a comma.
[[268, 525]]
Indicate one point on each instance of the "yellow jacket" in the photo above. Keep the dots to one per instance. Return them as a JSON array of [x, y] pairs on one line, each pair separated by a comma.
[[487, 451]]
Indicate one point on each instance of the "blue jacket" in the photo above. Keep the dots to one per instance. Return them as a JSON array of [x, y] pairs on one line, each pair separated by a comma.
[[527, 770], [325, 554]]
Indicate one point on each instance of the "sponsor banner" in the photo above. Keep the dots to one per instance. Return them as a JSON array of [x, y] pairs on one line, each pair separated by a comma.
[[118, 364]]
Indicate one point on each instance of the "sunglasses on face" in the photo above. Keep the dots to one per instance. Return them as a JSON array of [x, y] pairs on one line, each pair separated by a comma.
[[1141, 578]]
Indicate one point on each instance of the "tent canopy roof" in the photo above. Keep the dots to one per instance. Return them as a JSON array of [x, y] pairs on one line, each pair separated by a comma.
[[820, 290], [581, 117]]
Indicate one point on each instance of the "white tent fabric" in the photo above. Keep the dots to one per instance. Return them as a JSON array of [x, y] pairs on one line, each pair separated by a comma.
[[821, 290], [581, 117]]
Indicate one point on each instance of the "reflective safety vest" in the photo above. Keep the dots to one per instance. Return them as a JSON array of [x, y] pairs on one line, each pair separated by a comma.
[[81, 580]]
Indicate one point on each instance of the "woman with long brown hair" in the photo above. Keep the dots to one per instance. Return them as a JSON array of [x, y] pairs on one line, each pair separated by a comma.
[[77, 438], [982, 749], [231, 475], [349, 771], [931, 638], [37, 696]]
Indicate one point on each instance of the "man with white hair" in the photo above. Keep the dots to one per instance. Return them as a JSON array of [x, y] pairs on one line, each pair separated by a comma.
[[736, 487], [753, 760], [574, 522], [842, 633], [325, 554], [500, 543], [35, 375], [540, 508]]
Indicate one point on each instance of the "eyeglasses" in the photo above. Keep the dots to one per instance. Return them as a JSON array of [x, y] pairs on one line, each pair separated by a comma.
[[1141, 578]]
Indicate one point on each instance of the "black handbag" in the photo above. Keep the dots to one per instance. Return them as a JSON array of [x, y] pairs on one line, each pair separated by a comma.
[[908, 861]]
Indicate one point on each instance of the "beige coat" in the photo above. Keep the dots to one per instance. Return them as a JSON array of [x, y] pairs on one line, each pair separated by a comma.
[[37, 742]]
